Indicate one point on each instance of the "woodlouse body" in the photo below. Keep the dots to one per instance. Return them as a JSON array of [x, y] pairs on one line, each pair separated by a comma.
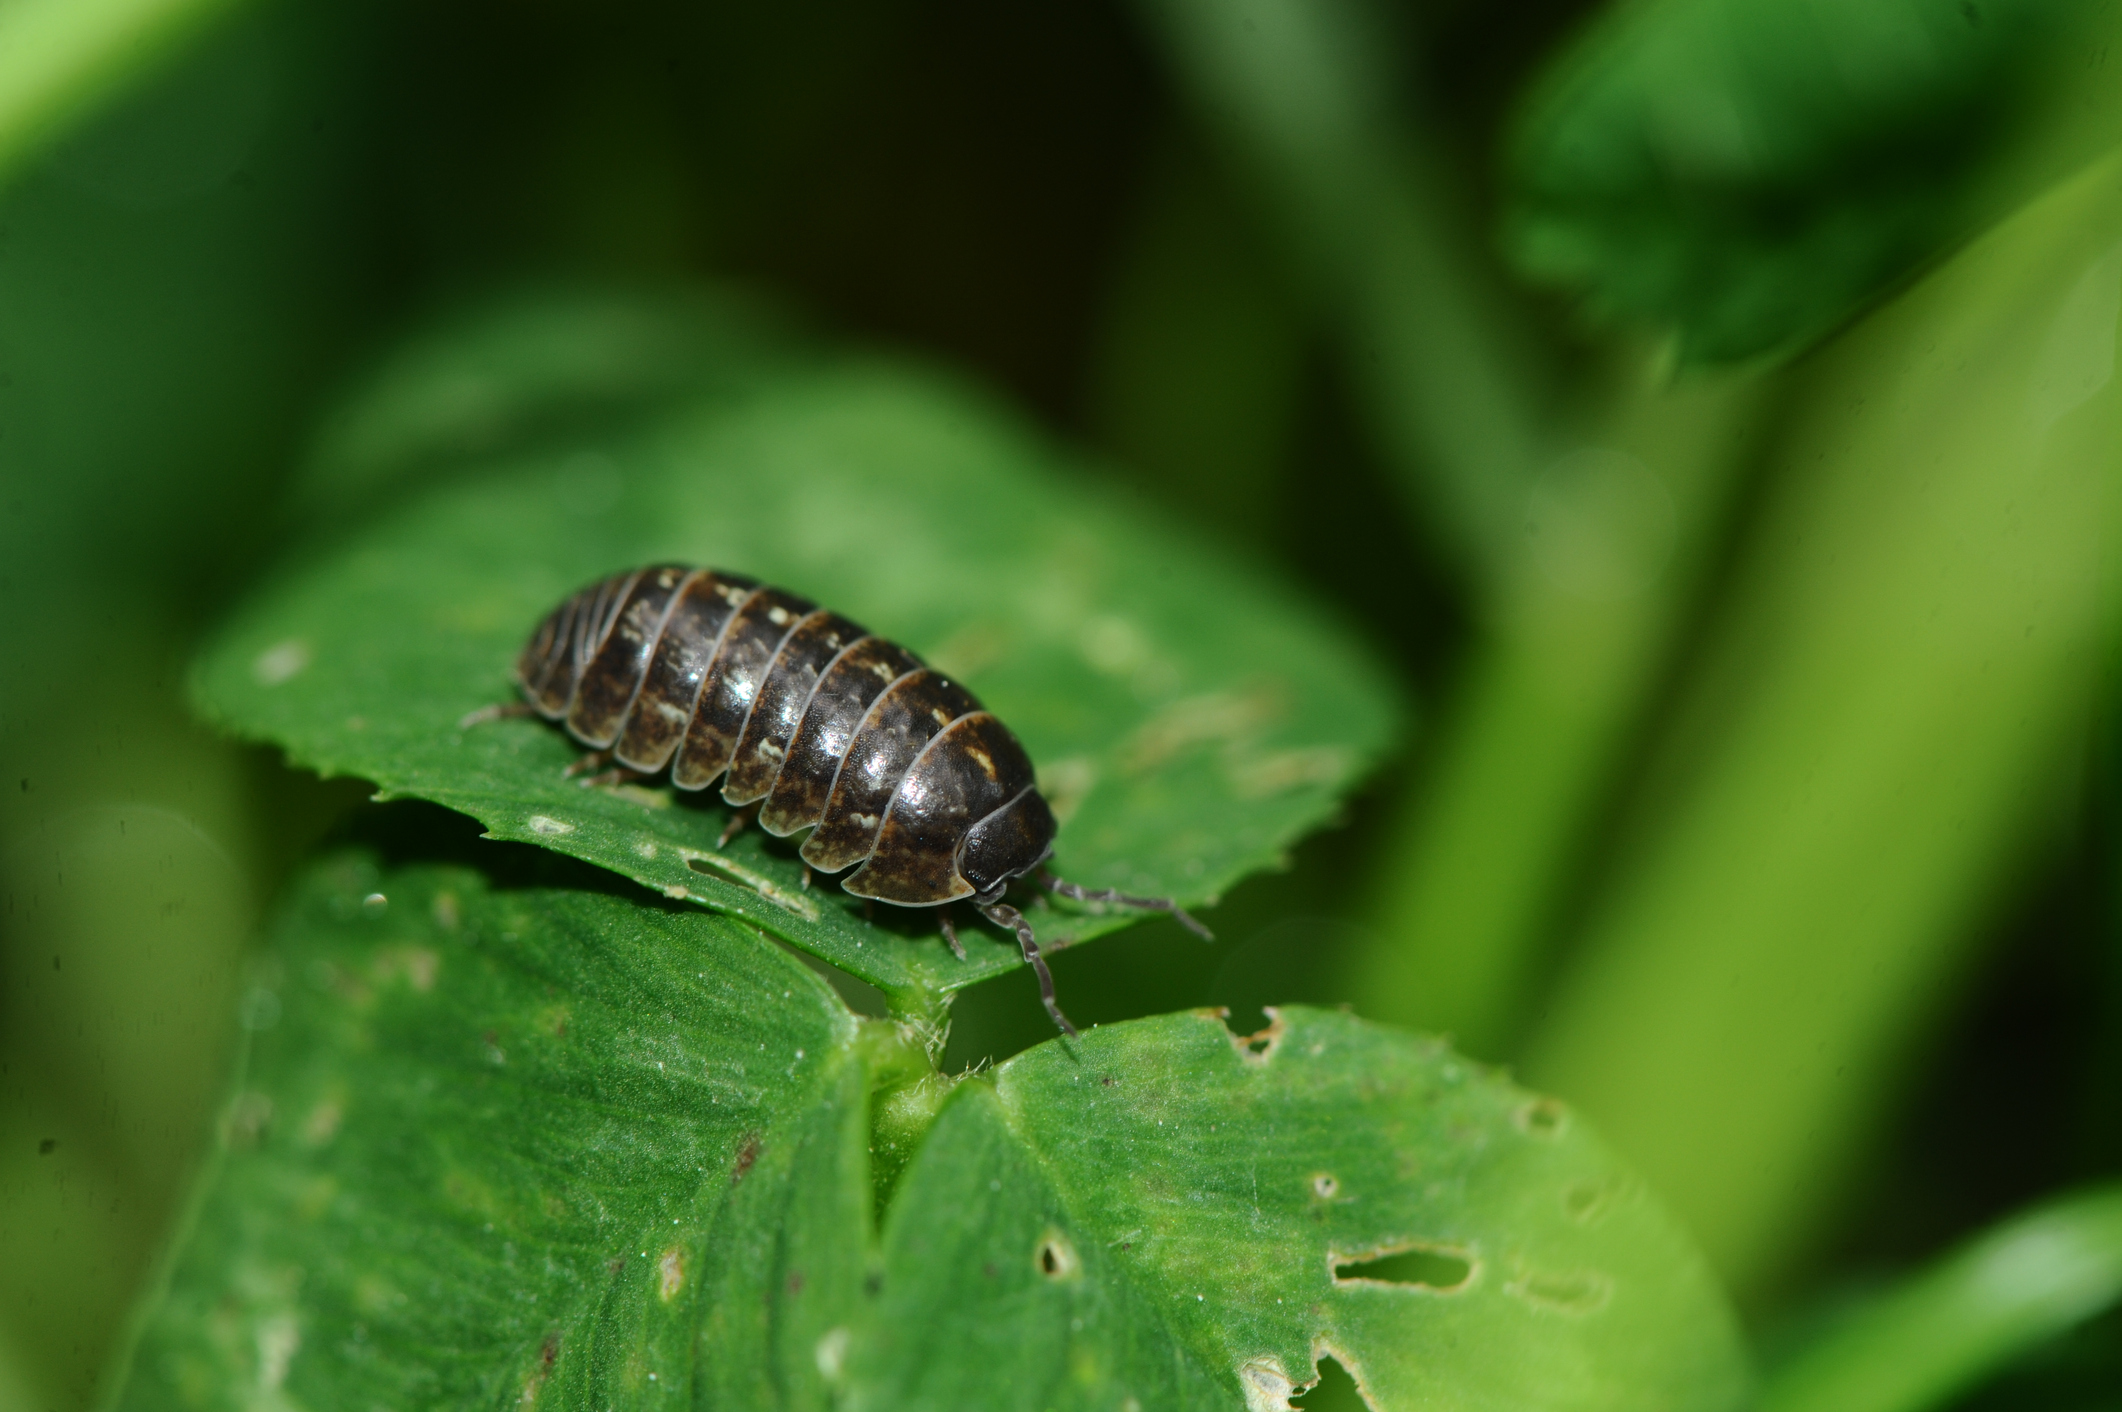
[[818, 723], [889, 763]]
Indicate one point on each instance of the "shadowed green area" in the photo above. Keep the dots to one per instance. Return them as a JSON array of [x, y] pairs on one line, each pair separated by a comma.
[[1942, 1331], [1190, 718], [524, 1137]]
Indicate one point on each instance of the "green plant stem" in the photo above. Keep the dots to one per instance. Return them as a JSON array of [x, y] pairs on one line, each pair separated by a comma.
[[1450, 388], [1967, 1317], [1550, 698], [1904, 670], [59, 57]]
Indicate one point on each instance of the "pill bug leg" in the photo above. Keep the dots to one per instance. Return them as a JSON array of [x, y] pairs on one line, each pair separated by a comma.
[[585, 764], [738, 822], [950, 933], [1004, 915], [617, 774], [1106, 894], [499, 711]]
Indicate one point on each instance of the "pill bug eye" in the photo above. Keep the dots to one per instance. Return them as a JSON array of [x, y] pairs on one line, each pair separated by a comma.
[[904, 781]]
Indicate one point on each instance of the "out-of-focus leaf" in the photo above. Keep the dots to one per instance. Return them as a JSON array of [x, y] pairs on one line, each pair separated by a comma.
[[519, 1141], [506, 1138], [1168, 1215], [1935, 1337], [57, 57], [1747, 172], [532, 370], [1189, 716], [1903, 675]]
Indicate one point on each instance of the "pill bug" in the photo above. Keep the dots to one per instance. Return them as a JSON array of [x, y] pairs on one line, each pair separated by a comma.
[[811, 722]]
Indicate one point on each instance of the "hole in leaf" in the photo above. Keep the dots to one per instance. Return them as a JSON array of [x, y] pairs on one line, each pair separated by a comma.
[[1566, 1291], [1542, 1117], [1437, 1268], [1057, 1258], [1586, 1202], [1336, 1391], [1259, 1046]]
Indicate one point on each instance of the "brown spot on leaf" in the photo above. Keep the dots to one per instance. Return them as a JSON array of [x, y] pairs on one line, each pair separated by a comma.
[[747, 1153]]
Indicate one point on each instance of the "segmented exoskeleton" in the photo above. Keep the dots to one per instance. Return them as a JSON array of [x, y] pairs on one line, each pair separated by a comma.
[[815, 724]]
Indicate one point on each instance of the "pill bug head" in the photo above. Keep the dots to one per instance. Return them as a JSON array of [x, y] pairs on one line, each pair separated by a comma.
[[1006, 845]]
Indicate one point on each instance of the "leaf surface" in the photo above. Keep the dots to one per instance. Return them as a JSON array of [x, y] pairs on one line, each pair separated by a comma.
[[1168, 1215], [1190, 717], [1747, 172], [507, 1139], [504, 1143]]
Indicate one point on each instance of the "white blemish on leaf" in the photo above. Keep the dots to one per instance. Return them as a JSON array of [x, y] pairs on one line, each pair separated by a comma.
[[1267, 1385], [323, 1122], [549, 827], [832, 1354], [281, 662], [632, 793], [278, 1338], [670, 1274], [1573, 1292], [414, 964], [1232, 719], [1279, 771], [717, 864]]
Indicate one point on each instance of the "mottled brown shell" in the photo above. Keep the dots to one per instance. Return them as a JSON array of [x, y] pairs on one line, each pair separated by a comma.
[[888, 763]]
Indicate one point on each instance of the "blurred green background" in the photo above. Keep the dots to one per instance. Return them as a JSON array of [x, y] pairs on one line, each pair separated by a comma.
[[1707, 404]]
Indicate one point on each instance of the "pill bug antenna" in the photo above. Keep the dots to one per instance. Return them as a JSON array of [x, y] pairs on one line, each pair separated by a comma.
[[1004, 915], [1121, 899]]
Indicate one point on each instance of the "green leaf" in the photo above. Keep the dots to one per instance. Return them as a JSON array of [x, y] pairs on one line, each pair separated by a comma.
[[1168, 1215], [504, 1142], [1190, 717], [1941, 1333], [59, 57], [1749, 171], [539, 368], [505, 1139]]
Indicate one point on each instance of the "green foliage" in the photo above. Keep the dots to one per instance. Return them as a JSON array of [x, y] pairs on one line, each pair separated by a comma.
[[59, 56], [1191, 719], [1762, 695], [1746, 172], [1908, 667], [1940, 1333], [525, 1137]]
